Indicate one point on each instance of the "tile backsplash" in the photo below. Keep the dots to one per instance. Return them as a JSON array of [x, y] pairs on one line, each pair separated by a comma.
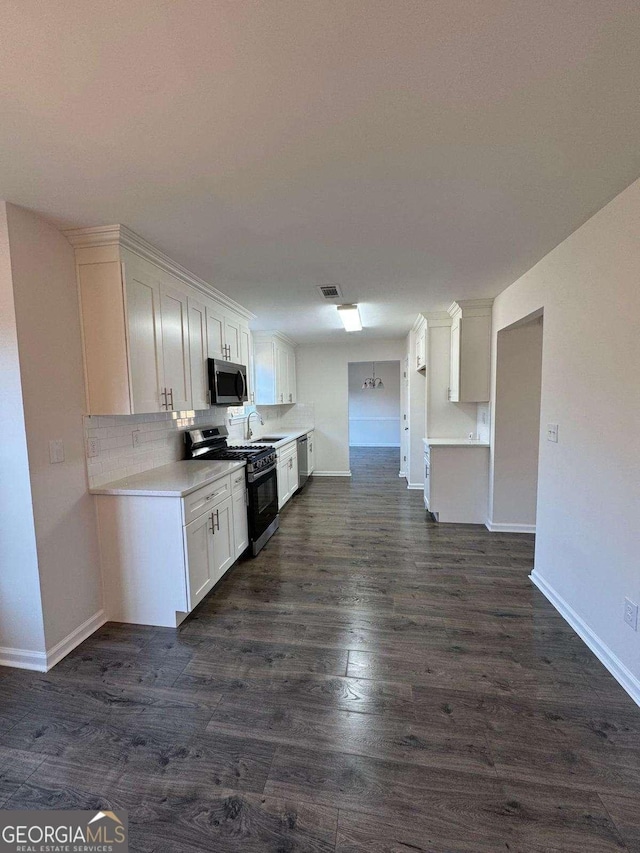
[[159, 439]]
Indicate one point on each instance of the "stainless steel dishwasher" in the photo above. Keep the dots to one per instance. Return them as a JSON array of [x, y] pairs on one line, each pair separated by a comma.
[[303, 460]]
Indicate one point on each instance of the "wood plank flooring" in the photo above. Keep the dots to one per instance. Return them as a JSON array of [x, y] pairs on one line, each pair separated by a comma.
[[371, 683]]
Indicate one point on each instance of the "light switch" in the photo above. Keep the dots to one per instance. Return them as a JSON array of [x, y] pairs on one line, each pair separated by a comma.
[[552, 432], [56, 451]]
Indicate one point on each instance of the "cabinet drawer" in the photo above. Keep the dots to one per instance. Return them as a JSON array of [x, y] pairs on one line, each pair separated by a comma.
[[287, 451], [209, 496], [237, 481]]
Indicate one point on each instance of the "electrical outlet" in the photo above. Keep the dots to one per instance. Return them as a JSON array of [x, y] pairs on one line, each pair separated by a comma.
[[631, 613], [552, 432], [92, 448], [56, 451], [135, 435]]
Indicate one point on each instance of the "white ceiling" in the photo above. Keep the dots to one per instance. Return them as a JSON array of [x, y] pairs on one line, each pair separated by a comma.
[[414, 151]]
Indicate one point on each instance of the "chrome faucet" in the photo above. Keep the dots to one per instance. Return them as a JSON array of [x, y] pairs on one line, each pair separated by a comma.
[[254, 412]]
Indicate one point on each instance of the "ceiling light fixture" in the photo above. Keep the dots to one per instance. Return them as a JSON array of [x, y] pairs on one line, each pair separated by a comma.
[[350, 316], [372, 382]]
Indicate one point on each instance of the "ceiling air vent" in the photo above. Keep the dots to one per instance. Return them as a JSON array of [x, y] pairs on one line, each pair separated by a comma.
[[330, 291]]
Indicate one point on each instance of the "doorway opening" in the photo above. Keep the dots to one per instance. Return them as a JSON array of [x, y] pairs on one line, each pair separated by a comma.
[[374, 416], [517, 426]]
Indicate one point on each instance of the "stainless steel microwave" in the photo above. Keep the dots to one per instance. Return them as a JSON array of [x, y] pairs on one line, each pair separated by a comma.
[[227, 383]]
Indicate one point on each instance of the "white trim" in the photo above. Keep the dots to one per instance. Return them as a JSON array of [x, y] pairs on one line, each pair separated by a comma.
[[274, 333], [77, 636], [43, 661], [625, 678], [332, 473], [120, 235], [416, 486], [23, 659], [497, 527]]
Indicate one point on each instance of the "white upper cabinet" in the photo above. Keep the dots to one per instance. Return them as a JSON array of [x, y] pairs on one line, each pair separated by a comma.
[[470, 364], [246, 358], [142, 289], [275, 369], [198, 353], [148, 326], [176, 385], [420, 352]]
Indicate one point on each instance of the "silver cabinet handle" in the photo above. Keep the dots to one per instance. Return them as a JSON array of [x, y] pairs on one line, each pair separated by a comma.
[[217, 520], [163, 393], [171, 392], [212, 528]]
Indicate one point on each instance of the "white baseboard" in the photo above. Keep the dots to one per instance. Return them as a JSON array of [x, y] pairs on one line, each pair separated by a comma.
[[625, 678], [497, 527], [43, 661], [332, 473], [417, 486], [376, 444], [77, 636], [23, 659]]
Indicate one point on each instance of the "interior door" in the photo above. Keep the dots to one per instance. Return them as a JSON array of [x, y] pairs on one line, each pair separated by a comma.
[[404, 418], [175, 346], [145, 337]]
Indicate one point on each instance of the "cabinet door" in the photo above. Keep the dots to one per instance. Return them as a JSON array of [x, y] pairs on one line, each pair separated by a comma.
[[223, 545], [199, 539], [215, 333], [291, 376], [145, 337], [282, 367], [421, 347], [283, 483], [292, 472], [175, 346], [454, 367], [232, 339], [198, 354], [246, 358], [240, 523]]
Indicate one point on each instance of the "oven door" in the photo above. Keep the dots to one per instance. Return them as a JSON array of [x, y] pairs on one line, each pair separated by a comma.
[[227, 382], [263, 502]]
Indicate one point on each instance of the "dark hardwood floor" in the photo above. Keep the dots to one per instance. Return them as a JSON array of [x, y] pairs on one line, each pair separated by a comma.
[[371, 683]]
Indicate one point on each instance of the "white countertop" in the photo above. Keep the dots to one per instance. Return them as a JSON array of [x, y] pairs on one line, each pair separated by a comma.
[[285, 438], [174, 480], [454, 442]]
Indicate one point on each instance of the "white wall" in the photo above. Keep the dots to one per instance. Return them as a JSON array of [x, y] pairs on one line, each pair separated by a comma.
[[323, 382], [49, 343], [21, 620], [588, 509], [374, 414], [517, 425]]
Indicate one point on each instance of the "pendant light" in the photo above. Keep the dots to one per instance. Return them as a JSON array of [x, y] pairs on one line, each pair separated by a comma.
[[372, 382]]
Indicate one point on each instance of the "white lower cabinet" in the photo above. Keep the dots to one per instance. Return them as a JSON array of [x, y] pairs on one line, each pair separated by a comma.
[[160, 556], [456, 482], [287, 472], [311, 452], [210, 550]]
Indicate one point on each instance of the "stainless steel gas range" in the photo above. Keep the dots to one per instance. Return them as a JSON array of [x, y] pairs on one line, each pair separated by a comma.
[[261, 474]]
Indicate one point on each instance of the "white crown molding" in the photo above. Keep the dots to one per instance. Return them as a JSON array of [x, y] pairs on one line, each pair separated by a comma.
[[622, 674], [274, 333], [120, 235], [437, 319], [470, 308]]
